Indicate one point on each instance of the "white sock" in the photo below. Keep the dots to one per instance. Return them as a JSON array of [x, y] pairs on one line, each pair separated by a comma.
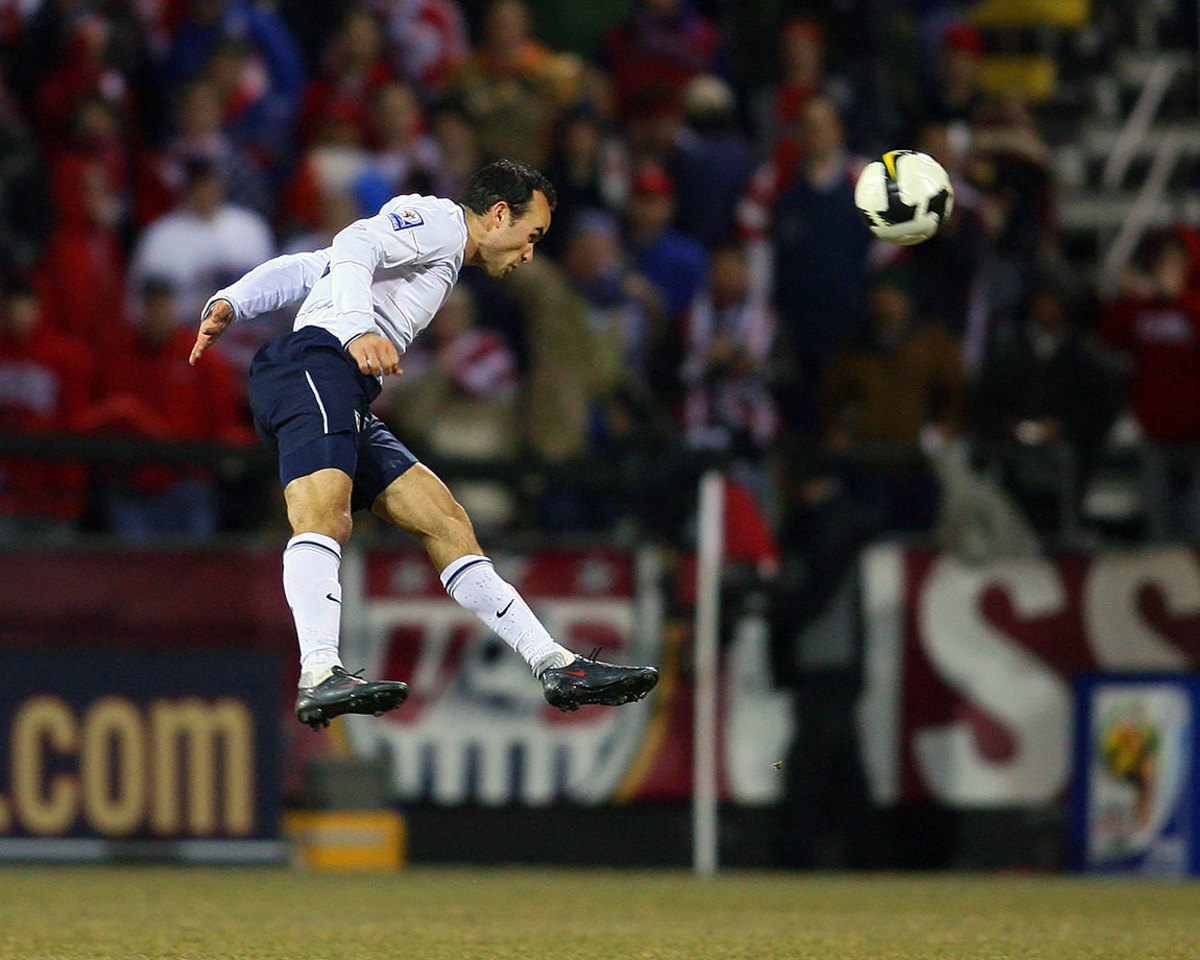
[[474, 584], [310, 582]]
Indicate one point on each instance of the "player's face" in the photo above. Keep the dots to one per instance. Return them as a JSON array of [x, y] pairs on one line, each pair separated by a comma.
[[509, 242]]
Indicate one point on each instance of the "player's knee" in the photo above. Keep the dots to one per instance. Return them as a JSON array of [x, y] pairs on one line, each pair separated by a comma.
[[331, 519], [336, 527], [320, 503], [455, 530]]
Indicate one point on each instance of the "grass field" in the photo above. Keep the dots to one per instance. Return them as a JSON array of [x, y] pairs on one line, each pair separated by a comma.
[[55, 913]]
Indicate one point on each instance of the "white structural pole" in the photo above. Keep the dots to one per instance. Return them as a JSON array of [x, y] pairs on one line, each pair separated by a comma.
[[710, 535]]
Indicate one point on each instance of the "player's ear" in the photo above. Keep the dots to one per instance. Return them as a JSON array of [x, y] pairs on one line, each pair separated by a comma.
[[499, 209]]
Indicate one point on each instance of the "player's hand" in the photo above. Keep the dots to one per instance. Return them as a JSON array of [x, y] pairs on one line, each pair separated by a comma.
[[375, 355], [215, 322]]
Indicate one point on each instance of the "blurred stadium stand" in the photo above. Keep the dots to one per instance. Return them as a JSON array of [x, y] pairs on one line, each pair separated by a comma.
[[133, 518]]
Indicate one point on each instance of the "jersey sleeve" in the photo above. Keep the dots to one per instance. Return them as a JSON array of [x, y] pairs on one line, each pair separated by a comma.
[[274, 284]]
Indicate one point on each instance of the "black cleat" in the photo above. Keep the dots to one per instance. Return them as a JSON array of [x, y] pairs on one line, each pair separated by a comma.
[[587, 680], [343, 692]]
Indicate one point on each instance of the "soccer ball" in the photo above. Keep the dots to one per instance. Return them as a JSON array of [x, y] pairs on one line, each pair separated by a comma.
[[904, 196]]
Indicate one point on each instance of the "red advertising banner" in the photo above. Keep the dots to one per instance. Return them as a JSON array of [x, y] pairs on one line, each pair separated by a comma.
[[969, 669], [476, 728]]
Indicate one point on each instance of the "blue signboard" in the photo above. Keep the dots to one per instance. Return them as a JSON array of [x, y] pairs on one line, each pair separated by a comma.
[[136, 755], [1137, 776]]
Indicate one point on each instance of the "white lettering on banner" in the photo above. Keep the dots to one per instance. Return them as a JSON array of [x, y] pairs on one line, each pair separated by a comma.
[[758, 717], [879, 709], [477, 728], [1119, 638], [994, 672]]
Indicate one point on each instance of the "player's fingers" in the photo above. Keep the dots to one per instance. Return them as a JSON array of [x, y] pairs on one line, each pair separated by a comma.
[[198, 348], [210, 329], [386, 359]]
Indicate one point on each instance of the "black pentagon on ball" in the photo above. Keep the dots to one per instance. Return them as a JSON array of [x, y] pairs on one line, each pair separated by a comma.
[[937, 204], [897, 210]]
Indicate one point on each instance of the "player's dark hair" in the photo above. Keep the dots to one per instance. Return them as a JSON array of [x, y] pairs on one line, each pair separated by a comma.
[[514, 183]]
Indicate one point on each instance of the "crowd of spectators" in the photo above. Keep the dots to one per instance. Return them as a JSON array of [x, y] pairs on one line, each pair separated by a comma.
[[707, 284]]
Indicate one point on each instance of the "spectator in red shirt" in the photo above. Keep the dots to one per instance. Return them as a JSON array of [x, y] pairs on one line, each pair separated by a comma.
[[46, 385], [663, 44], [1156, 323], [355, 68], [148, 390], [428, 40], [81, 273], [86, 69], [801, 74]]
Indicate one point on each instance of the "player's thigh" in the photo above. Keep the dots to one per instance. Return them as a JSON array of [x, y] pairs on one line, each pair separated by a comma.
[[418, 501], [320, 502], [308, 402]]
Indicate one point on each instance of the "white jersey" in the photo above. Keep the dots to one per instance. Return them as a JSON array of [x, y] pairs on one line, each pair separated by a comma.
[[387, 274]]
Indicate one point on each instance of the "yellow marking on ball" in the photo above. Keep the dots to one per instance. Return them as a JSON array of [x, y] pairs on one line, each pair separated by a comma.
[[889, 161]]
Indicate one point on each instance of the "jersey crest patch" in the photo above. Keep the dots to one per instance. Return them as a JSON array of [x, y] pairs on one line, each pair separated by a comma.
[[405, 219]]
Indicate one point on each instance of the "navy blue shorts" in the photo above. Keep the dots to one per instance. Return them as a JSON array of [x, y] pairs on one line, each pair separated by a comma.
[[312, 406]]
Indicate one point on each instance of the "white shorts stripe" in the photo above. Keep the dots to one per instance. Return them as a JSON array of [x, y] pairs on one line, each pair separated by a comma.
[[312, 386]]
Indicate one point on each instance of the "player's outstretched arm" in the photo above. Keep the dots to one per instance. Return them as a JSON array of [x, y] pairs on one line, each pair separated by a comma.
[[216, 321]]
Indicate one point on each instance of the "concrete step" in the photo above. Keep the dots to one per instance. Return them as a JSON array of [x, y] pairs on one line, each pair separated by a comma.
[[1098, 140], [1134, 65], [1090, 212]]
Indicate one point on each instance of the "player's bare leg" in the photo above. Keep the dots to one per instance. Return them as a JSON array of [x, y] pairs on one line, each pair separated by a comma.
[[417, 501], [318, 507], [320, 503]]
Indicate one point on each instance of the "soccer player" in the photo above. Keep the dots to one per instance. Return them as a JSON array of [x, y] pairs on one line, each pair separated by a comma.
[[365, 298]]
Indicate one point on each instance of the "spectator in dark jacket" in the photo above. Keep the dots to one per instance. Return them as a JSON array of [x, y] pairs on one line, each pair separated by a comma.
[[1046, 389], [713, 163], [896, 384], [820, 257]]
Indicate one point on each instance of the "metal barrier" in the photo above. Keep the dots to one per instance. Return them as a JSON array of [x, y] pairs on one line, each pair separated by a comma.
[[639, 479]]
